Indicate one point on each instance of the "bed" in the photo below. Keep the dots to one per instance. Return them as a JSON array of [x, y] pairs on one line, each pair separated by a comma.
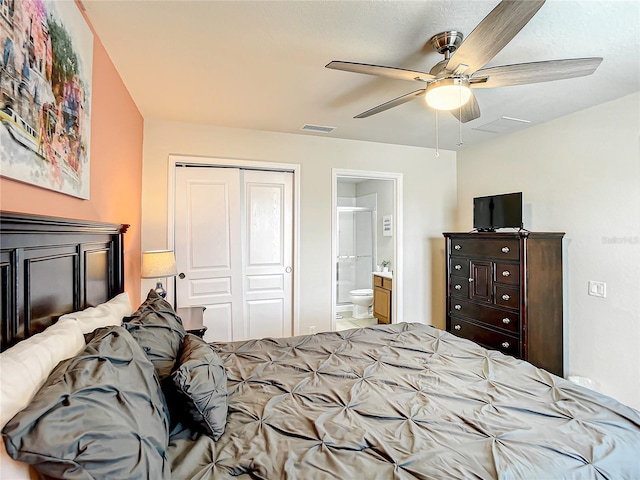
[[401, 401]]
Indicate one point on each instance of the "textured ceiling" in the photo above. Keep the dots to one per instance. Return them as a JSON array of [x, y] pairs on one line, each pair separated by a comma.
[[260, 64]]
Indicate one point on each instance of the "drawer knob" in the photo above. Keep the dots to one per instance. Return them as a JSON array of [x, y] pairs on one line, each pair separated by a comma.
[[506, 321], [505, 249], [457, 247], [457, 327], [458, 287], [458, 307], [470, 280], [458, 267], [505, 344], [506, 273], [505, 297]]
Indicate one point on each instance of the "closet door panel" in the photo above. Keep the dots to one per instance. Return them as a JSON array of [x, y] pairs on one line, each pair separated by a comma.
[[207, 245], [268, 233]]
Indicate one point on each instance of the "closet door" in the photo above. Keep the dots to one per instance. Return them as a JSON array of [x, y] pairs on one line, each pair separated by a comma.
[[267, 245], [208, 247], [233, 243]]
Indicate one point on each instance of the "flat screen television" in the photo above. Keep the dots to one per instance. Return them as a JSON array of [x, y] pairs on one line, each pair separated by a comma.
[[497, 211]]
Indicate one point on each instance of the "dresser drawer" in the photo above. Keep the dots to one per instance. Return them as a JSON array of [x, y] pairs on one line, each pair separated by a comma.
[[497, 249], [459, 286], [459, 266], [507, 273], [507, 296], [487, 338], [491, 316]]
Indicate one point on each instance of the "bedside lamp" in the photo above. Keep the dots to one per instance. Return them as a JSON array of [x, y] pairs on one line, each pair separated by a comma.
[[159, 264]]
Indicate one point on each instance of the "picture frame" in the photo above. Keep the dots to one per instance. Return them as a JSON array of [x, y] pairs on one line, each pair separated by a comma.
[[46, 68]]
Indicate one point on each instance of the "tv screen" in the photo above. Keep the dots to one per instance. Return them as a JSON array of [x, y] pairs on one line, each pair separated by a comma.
[[497, 211]]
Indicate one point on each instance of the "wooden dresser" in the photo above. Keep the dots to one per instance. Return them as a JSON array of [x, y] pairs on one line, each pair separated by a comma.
[[504, 291]]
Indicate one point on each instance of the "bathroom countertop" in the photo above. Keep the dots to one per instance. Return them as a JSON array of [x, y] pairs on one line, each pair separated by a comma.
[[384, 274]]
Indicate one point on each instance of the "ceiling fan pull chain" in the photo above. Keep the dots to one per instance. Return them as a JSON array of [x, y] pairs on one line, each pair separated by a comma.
[[437, 145], [460, 142]]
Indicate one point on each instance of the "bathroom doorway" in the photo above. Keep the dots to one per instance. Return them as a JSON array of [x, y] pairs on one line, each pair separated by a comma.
[[366, 234]]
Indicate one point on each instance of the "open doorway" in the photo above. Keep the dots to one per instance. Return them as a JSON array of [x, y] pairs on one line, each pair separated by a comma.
[[366, 248]]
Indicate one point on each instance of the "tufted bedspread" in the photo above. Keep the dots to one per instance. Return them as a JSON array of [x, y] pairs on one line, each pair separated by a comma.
[[404, 401]]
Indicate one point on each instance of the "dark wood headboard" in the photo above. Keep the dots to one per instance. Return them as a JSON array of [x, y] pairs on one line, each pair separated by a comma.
[[52, 266]]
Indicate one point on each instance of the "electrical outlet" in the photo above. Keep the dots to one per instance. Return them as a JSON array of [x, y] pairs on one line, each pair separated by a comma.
[[312, 329], [597, 289]]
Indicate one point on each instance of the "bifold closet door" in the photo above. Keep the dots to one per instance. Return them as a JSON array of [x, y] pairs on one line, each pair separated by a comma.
[[233, 245]]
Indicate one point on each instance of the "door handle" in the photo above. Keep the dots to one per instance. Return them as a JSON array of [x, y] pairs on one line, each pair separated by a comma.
[[181, 275], [288, 269]]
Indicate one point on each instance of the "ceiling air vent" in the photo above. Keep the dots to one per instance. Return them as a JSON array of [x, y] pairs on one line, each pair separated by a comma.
[[308, 127]]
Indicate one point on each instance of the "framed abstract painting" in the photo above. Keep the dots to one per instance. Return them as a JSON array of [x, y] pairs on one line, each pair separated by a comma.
[[46, 61]]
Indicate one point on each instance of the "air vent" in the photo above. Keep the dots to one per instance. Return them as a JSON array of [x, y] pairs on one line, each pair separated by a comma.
[[503, 125], [308, 127]]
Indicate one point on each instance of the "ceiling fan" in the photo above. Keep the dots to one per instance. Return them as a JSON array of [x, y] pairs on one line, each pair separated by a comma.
[[449, 84]]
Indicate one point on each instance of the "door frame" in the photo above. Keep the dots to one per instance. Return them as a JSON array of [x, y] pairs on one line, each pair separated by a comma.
[[397, 229], [222, 162]]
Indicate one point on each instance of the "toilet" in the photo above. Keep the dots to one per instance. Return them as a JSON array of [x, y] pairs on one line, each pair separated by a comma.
[[362, 299]]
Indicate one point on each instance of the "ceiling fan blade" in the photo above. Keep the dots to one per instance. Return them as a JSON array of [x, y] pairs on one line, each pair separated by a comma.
[[381, 71], [469, 111], [534, 72], [391, 103], [493, 33]]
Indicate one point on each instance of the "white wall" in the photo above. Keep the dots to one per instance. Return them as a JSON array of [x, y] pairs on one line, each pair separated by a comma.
[[347, 190], [579, 174], [429, 200]]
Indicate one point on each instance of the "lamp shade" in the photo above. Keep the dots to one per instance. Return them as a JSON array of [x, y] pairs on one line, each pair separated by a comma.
[[448, 93], [158, 264]]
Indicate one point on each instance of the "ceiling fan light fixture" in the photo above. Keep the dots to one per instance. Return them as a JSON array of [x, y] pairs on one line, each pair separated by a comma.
[[448, 93]]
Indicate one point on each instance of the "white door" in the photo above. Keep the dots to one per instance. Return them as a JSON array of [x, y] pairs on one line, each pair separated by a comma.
[[233, 233], [207, 245], [267, 253]]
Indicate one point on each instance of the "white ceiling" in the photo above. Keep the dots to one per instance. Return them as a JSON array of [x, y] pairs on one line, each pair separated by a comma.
[[261, 64]]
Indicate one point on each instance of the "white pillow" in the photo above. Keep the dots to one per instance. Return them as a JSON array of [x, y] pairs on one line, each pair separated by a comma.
[[104, 315], [23, 370], [25, 367]]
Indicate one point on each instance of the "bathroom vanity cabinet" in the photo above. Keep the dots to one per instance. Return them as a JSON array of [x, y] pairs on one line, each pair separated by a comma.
[[382, 288]]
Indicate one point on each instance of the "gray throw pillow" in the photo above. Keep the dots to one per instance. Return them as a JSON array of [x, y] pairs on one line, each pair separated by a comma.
[[100, 414], [201, 384], [159, 331]]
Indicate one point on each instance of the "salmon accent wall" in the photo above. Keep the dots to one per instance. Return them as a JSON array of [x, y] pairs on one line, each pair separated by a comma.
[[116, 169]]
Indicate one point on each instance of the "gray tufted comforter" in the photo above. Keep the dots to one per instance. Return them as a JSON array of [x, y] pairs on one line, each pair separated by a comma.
[[404, 401]]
